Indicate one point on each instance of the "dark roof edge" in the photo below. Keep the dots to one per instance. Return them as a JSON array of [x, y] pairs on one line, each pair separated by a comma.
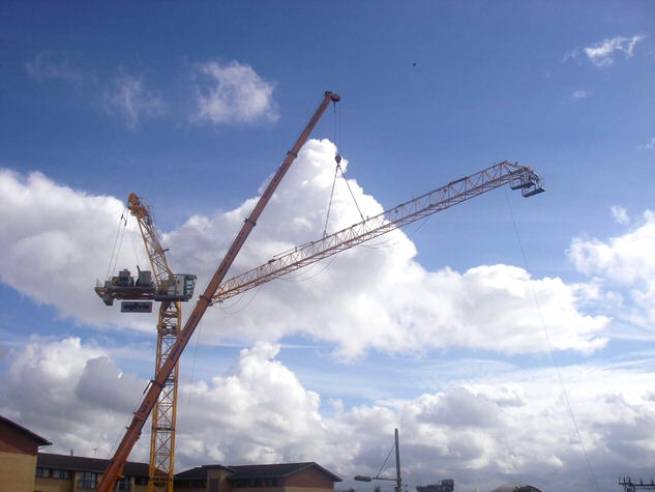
[[303, 465], [234, 469], [42, 441], [336, 478]]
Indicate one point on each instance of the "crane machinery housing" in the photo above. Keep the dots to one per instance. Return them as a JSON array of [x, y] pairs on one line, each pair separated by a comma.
[[519, 177]]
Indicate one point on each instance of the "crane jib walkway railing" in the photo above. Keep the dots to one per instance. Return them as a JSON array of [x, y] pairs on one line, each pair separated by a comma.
[[519, 177]]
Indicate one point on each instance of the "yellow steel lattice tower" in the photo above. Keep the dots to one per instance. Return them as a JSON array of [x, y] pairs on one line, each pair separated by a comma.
[[164, 414]]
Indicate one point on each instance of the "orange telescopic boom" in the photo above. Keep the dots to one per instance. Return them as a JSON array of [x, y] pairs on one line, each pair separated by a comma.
[[113, 472]]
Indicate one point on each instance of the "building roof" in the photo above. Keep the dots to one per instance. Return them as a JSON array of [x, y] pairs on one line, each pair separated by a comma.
[[81, 463], [199, 472], [40, 441], [279, 470], [516, 488]]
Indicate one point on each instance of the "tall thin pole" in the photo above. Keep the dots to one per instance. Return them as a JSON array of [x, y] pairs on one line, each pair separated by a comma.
[[398, 479]]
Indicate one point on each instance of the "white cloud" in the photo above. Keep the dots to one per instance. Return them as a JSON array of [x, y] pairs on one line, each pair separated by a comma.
[[129, 97], [507, 427], [625, 266], [233, 93], [649, 145], [624, 259], [602, 54], [56, 242], [620, 214], [580, 94], [63, 387], [375, 297], [46, 67]]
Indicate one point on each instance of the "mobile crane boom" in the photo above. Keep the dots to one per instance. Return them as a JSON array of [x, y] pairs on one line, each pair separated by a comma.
[[114, 469], [519, 177]]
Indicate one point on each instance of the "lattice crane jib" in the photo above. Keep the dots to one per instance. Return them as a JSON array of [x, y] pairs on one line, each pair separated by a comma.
[[164, 413], [517, 176]]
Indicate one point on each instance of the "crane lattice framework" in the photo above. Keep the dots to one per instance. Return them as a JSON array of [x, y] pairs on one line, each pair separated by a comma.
[[162, 437], [520, 177], [630, 486]]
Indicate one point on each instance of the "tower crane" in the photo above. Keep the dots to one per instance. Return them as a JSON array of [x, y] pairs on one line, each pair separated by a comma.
[[171, 290], [518, 176]]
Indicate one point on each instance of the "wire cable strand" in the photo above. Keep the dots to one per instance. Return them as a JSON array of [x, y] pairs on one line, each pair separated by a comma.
[[551, 356]]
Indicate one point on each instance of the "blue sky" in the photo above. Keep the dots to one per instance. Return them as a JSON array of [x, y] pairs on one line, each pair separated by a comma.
[[193, 106]]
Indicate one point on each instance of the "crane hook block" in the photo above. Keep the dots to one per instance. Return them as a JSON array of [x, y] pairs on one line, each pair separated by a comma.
[[337, 158]]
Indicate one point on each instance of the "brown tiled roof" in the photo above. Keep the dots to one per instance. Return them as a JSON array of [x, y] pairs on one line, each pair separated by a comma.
[[40, 441], [81, 463], [279, 470]]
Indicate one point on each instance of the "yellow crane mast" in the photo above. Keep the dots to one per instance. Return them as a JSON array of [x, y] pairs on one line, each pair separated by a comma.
[[164, 413]]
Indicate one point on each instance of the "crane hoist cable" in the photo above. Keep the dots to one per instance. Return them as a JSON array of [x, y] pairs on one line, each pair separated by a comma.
[[549, 349], [118, 243], [338, 170]]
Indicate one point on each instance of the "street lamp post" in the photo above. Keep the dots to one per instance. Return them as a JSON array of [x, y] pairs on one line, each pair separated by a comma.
[[398, 480]]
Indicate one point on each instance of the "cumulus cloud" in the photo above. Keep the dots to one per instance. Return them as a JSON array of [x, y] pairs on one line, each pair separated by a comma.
[[64, 388], [603, 53], [625, 265], [57, 241], [129, 98], [260, 412], [233, 93], [45, 66], [376, 297]]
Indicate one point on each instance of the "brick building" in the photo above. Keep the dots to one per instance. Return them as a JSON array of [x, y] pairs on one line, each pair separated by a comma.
[[65, 473], [18, 451]]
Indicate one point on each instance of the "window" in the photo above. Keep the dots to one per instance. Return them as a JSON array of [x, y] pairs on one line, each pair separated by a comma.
[[61, 474], [140, 480], [42, 472], [87, 481], [123, 485]]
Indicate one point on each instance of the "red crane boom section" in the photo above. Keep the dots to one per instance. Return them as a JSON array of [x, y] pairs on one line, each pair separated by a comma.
[[114, 469], [521, 177]]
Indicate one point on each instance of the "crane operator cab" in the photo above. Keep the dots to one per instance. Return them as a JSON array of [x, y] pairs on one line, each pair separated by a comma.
[[125, 287]]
